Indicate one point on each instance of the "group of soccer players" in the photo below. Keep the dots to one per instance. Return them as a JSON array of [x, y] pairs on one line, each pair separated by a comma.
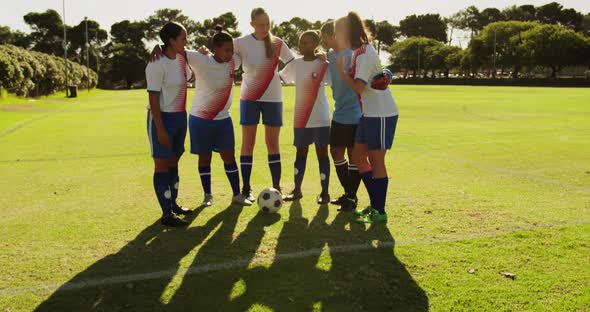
[[362, 126]]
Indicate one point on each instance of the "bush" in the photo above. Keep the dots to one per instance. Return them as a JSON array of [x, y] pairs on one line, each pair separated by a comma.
[[30, 73]]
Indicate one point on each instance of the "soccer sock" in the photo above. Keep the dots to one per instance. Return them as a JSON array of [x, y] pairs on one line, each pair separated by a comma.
[[380, 189], [174, 184], [342, 172], [205, 173], [246, 165], [274, 163], [300, 164], [231, 170], [367, 178], [324, 173], [163, 192], [354, 181]]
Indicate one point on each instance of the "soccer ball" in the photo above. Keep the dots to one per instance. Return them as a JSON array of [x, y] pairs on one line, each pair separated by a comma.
[[270, 200]]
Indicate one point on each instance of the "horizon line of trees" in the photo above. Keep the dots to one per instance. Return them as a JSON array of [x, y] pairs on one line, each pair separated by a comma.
[[514, 39]]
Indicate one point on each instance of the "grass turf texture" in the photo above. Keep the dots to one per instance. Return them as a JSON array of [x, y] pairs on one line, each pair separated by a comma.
[[492, 179]]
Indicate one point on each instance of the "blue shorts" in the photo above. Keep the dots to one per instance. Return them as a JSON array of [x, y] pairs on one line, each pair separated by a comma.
[[208, 136], [376, 132], [272, 113], [304, 137], [176, 125]]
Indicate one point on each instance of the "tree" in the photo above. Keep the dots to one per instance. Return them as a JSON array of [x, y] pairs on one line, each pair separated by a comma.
[[549, 13], [47, 31], [572, 19], [154, 23], [504, 38], [416, 54], [206, 30], [290, 30], [469, 20], [384, 34], [77, 37], [585, 26], [490, 15], [554, 46], [5, 35], [428, 25], [126, 54]]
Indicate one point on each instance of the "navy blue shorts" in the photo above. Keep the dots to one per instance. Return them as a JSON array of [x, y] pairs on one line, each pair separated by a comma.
[[208, 136], [376, 132], [250, 111], [176, 126], [304, 137]]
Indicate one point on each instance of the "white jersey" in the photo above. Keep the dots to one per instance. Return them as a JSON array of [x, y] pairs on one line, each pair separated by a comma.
[[311, 104], [214, 84], [366, 65], [169, 78], [261, 81]]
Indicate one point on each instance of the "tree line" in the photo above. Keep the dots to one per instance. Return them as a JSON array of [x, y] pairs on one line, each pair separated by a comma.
[[504, 41]]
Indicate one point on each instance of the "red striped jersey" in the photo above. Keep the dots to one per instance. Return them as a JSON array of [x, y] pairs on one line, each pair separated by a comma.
[[364, 66], [260, 81], [311, 105], [214, 84], [169, 78]]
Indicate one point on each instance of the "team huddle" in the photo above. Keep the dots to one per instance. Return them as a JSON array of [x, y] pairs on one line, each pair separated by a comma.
[[361, 128]]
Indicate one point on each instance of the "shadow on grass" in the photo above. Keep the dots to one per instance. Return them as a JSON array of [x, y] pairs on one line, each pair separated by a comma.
[[296, 280]]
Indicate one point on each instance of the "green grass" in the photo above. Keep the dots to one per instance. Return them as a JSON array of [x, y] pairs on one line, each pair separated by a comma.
[[494, 179]]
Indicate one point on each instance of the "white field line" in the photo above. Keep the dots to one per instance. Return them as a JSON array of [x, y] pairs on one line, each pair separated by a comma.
[[242, 263]]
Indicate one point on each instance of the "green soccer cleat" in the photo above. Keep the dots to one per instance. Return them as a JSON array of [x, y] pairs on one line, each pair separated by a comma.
[[373, 217], [363, 212]]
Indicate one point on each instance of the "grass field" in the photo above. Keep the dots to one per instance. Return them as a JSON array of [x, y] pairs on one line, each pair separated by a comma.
[[490, 179]]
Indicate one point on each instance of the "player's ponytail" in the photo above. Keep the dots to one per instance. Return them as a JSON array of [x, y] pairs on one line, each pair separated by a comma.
[[220, 37], [170, 31], [268, 40], [359, 34]]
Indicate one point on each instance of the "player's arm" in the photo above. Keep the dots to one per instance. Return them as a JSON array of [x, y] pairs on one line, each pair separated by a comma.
[[154, 77], [357, 85], [157, 117]]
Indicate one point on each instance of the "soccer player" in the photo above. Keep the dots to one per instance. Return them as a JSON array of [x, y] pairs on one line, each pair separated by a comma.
[[261, 94], [210, 124], [347, 113], [312, 113], [166, 119], [376, 129]]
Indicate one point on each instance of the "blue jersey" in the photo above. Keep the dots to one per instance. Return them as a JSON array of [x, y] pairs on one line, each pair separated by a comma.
[[347, 109]]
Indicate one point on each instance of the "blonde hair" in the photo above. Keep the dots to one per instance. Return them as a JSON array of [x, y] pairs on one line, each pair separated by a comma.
[[268, 41]]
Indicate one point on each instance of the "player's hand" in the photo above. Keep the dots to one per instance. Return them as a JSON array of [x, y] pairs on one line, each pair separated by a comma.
[[322, 56], [156, 53], [203, 50], [164, 138]]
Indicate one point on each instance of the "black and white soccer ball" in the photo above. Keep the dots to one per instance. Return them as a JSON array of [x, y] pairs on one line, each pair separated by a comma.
[[270, 200]]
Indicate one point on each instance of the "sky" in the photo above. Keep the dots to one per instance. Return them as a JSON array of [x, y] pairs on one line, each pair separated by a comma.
[[107, 12]]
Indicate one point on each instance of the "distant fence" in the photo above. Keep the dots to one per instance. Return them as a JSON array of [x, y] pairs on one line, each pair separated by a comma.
[[563, 82]]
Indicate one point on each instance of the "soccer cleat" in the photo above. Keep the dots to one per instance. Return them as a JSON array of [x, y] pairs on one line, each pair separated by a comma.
[[248, 194], [173, 221], [180, 210], [348, 205], [295, 195], [339, 201], [373, 217], [323, 199], [207, 201], [241, 200], [363, 212]]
